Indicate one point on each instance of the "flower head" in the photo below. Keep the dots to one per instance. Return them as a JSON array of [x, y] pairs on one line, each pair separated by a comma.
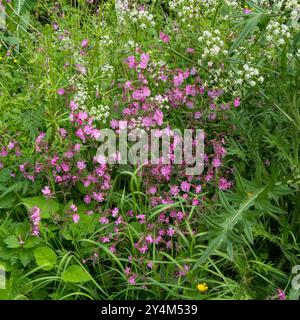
[[281, 294], [202, 287]]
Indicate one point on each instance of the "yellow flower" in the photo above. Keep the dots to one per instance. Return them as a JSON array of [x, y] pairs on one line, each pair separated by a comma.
[[15, 60], [202, 287], [1, 58]]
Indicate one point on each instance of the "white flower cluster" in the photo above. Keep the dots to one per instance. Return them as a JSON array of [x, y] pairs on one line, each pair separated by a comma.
[[105, 41], [247, 76], [161, 101], [277, 33], [121, 10], [293, 8], [131, 44], [100, 113], [214, 46], [141, 16], [188, 10], [107, 69], [81, 95]]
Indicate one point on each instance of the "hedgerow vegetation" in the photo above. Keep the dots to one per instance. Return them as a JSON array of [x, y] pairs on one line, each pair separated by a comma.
[[72, 227]]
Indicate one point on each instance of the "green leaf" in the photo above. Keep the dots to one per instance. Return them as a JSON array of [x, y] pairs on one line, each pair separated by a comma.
[[253, 21], [212, 247], [12, 242], [4, 175], [45, 257], [47, 207], [75, 274]]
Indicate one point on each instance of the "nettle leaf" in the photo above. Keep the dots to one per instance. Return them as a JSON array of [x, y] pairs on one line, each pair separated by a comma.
[[25, 257], [76, 274], [12, 242], [45, 257], [47, 207]]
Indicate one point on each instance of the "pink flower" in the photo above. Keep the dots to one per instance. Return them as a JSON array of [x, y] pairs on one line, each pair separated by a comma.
[[81, 165], [197, 115], [185, 186], [224, 184], [87, 199], [247, 10], [171, 232], [195, 202], [84, 43], [216, 163], [35, 218], [98, 196], [73, 105], [75, 218], [164, 37], [112, 249], [144, 60], [65, 167], [174, 190], [61, 91], [104, 220], [47, 192], [190, 50], [149, 239], [80, 68], [105, 239], [198, 189], [131, 280], [73, 207], [11, 145], [180, 216], [62, 132], [127, 271], [131, 62], [158, 117], [3, 152], [114, 212], [237, 102], [281, 294], [178, 80], [141, 94], [152, 190], [54, 25]]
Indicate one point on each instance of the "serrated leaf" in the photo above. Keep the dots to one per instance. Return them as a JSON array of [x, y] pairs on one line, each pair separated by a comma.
[[45, 257], [12, 242]]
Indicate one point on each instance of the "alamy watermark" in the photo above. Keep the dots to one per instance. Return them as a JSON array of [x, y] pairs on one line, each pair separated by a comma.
[[156, 146], [296, 278], [2, 16], [2, 277]]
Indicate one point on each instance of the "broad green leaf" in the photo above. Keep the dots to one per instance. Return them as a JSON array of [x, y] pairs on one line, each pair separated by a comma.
[[47, 207], [75, 274], [45, 257]]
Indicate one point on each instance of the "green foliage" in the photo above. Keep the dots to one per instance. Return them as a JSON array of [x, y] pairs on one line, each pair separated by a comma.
[[76, 274], [45, 258], [243, 242]]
